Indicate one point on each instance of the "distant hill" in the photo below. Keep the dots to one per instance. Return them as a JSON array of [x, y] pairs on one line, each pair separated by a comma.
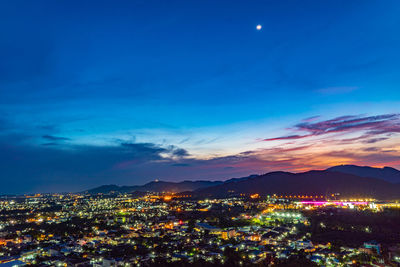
[[386, 173], [160, 186], [241, 179], [307, 183], [104, 189], [348, 180]]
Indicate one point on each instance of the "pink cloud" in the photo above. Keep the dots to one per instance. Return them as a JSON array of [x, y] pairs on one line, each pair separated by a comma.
[[373, 125]]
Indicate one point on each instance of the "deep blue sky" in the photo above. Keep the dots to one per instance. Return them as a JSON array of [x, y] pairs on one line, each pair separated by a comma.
[[100, 92]]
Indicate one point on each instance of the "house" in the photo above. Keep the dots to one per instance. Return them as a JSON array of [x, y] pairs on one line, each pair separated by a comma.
[[373, 245], [307, 245]]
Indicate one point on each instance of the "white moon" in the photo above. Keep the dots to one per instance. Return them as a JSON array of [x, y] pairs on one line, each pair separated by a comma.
[[258, 27]]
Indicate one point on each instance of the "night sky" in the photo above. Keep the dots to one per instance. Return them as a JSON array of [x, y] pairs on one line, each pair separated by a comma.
[[115, 92]]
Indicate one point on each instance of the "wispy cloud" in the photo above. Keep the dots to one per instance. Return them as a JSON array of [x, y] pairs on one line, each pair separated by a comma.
[[317, 144], [55, 138], [337, 90], [310, 119], [371, 125], [287, 137]]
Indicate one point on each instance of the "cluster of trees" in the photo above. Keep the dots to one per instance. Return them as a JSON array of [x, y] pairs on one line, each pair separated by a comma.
[[353, 228]]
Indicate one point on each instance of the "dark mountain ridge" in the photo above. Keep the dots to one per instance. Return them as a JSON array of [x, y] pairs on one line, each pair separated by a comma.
[[347, 180], [386, 173], [162, 186], [155, 186], [307, 183]]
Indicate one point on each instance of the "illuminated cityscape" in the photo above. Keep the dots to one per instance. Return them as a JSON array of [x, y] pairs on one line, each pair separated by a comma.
[[159, 229]]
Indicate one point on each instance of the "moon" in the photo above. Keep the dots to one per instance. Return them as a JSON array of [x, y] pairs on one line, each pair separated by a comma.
[[258, 27]]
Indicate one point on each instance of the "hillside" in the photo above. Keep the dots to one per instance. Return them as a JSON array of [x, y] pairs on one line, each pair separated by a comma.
[[160, 186], [307, 183], [386, 173]]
